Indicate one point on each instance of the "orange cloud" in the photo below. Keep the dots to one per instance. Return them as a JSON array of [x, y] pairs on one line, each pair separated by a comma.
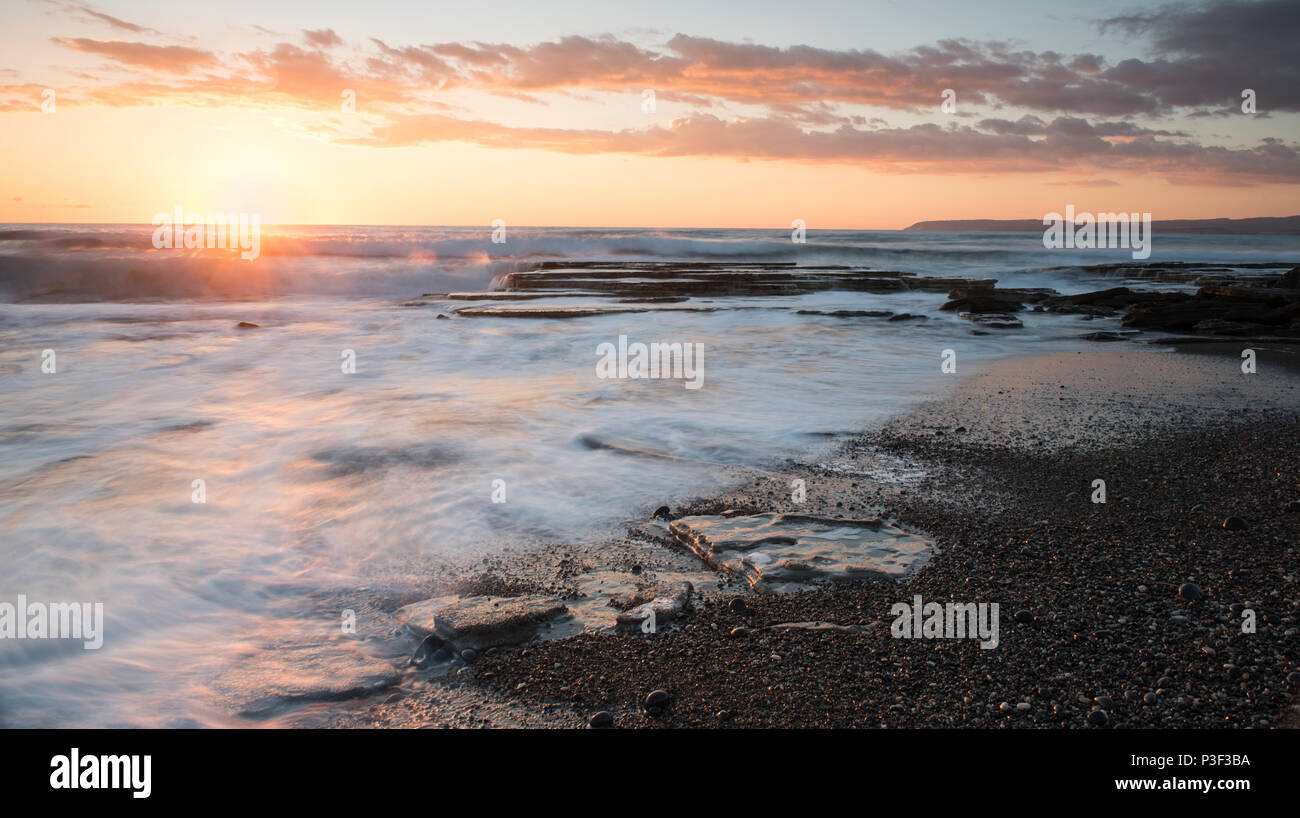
[[170, 58]]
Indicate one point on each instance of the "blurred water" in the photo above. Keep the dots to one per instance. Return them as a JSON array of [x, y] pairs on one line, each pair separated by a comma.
[[320, 482]]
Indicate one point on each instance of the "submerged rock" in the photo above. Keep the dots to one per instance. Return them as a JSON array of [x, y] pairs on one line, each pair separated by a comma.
[[479, 622], [992, 320], [788, 551], [296, 674], [847, 313]]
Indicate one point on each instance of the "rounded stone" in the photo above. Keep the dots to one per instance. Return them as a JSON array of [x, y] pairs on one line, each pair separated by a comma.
[[656, 699], [1191, 592], [602, 718]]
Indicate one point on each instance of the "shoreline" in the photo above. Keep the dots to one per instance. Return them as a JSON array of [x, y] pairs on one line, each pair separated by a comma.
[[1008, 506]]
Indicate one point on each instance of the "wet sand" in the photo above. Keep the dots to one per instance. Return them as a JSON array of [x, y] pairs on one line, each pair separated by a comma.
[[999, 473]]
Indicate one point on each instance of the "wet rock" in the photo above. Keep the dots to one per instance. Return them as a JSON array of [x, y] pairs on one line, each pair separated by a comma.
[[790, 551], [993, 320], [908, 316], [543, 312], [990, 299], [1255, 295], [480, 622], [667, 606], [1106, 336], [431, 649], [848, 313], [662, 513], [652, 282], [247, 325]]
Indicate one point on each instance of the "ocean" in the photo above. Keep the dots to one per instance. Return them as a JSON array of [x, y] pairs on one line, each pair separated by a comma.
[[446, 440]]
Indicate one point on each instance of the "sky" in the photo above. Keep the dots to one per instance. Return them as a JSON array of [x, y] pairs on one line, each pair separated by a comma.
[[650, 114]]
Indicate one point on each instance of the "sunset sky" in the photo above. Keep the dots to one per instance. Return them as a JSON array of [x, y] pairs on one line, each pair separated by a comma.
[[534, 112]]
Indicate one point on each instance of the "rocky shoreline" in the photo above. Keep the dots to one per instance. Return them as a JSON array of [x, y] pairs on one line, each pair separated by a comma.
[[1259, 301], [1119, 614]]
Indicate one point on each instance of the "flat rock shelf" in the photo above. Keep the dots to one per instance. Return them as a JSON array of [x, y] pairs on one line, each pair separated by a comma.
[[790, 552]]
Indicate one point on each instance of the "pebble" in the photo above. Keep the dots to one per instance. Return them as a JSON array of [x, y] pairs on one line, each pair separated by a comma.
[[738, 605], [601, 718], [656, 699], [739, 633], [1023, 616], [469, 655], [1022, 706], [1098, 718], [724, 715], [1104, 702], [1151, 699], [1234, 524], [1293, 507], [1191, 592]]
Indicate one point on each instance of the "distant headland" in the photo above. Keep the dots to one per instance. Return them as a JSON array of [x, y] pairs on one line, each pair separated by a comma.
[[1263, 225]]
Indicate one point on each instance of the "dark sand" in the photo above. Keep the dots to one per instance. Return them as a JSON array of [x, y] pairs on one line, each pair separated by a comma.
[[999, 473]]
